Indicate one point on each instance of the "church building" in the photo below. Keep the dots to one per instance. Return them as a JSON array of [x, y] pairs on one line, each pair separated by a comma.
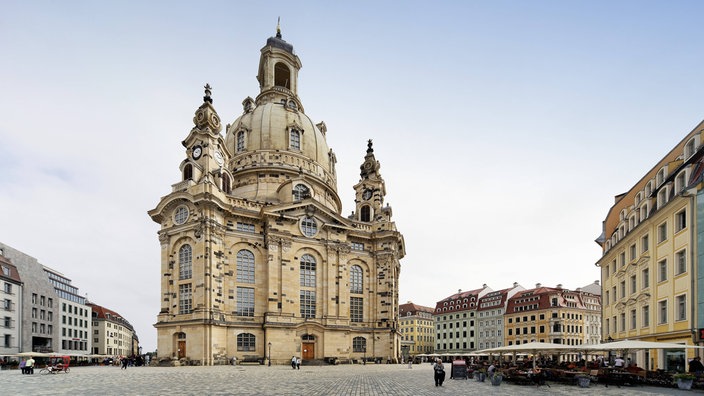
[[257, 261]]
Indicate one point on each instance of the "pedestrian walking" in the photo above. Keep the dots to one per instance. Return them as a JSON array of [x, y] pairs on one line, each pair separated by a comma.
[[298, 363], [125, 361], [293, 362], [439, 371], [29, 365]]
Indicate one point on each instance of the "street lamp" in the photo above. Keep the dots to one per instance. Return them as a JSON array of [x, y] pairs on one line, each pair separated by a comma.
[[269, 354]]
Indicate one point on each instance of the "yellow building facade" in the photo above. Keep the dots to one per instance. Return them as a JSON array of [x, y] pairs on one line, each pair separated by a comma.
[[417, 326], [650, 258], [257, 261]]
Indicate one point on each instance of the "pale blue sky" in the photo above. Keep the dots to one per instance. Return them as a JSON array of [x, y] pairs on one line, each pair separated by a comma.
[[504, 128]]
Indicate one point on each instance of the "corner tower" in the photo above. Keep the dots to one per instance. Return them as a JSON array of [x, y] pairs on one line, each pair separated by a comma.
[[257, 261]]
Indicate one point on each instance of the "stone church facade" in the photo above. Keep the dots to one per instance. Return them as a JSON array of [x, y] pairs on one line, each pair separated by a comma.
[[257, 261]]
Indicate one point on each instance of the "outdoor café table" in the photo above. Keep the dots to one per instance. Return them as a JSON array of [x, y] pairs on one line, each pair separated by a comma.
[[620, 377]]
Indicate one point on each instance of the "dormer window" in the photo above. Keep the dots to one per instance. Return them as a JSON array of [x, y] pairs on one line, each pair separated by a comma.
[[294, 140], [240, 141], [300, 192], [689, 148], [660, 177]]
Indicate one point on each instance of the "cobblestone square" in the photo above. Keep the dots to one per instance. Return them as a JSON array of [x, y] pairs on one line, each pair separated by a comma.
[[368, 380]]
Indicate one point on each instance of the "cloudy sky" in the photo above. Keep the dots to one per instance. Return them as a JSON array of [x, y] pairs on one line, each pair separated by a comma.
[[504, 128]]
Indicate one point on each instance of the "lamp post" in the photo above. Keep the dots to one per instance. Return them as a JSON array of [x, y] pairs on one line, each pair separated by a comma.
[[269, 354]]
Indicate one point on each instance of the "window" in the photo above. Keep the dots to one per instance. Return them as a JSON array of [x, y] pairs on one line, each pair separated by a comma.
[[662, 232], [644, 244], [359, 344], [357, 246], [308, 270], [365, 213], [682, 307], [7, 341], [246, 342], [181, 215], [681, 220], [662, 309], [662, 270], [633, 284], [356, 279], [300, 191], [307, 304], [226, 183], [8, 288], [606, 298], [8, 322], [245, 227], [309, 227], [245, 301], [294, 140], [356, 309], [240, 141], [646, 278], [185, 266], [633, 252], [623, 289], [188, 172], [245, 266], [681, 262], [34, 298], [185, 302], [633, 319]]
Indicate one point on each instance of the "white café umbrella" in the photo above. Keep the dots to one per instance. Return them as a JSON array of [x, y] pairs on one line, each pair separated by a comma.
[[532, 347], [631, 345]]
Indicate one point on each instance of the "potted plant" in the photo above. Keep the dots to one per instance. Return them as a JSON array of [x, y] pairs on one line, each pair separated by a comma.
[[583, 380], [684, 380]]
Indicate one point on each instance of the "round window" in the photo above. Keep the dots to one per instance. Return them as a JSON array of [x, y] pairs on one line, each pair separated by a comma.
[[181, 215], [309, 226]]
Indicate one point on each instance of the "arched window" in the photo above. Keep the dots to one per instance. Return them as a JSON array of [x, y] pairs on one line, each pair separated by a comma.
[[307, 271], [282, 76], [365, 213], [246, 342], [240, 141], [245, 266], [300, 191], [359, 344], [309, 227], [226, 183], [185, 264], [356, 283], [188, 172], [294, 140]]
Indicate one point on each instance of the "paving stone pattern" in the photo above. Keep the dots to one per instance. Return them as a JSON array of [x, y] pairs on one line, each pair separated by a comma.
[[357, 380]]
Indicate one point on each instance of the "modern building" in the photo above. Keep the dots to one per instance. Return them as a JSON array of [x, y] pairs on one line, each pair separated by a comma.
[[455, 321], [257, 260], [11, 298], [39, 309], [417, 326], [490, 316], [75, 324], [112, 334], [651, 262]]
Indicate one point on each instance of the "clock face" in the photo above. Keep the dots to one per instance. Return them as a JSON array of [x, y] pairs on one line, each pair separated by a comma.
[[197, 152], [218, 158], [367, 194]]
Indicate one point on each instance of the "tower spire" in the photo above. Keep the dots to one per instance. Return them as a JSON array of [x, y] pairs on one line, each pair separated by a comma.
[[278, 28]]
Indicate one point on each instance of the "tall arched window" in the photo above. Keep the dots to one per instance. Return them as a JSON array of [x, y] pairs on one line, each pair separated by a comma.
[[365, 213], [240, 141], [308, 271], [294, 140], [245, 266], [185, 263], [188, 172], [226, 183], [356, 279]]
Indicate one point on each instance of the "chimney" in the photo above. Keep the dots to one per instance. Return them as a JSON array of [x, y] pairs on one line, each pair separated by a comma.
[[538, 285], [515, 284], [559, 285], [484, 286], [596, 282], [459, 291]]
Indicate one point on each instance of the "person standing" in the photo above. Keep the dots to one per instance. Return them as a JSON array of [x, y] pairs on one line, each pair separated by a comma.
[[293, 362], [29, 366], [696, 366], [439, 371], [619, 362], [24, 362], [125, 361], [298, 363]]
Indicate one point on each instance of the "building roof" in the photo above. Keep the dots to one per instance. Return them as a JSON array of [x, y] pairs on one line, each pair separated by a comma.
[[9, 271], [109, 315], [410, 309], [461, 301]]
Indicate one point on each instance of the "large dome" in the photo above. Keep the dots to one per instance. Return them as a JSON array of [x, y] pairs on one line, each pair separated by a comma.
[[278, 154]]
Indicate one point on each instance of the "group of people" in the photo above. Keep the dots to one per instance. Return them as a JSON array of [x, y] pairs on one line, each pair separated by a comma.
[[27, 366], [295, 363]]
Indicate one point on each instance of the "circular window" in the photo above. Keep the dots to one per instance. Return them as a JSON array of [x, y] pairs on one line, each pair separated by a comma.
[[309, 227], [181, 215]]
